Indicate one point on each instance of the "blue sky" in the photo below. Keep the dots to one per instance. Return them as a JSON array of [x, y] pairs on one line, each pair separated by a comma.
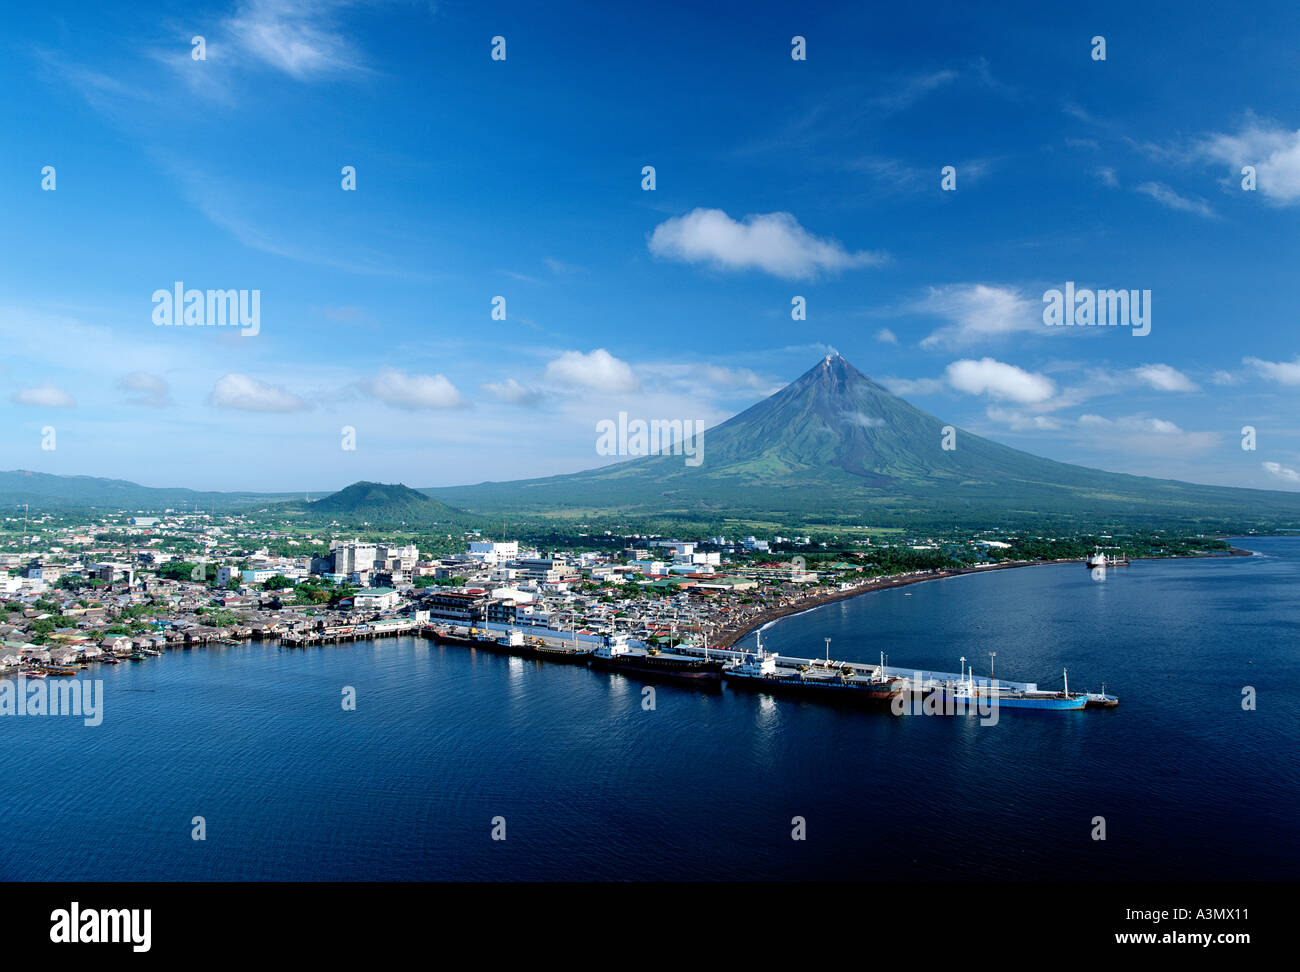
[[521, 178]]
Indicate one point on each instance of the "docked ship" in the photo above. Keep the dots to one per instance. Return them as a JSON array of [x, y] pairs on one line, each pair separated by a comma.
[[510, 643], [574, 654], [760, 672], [968, 696], [616, 655], [1099, 559]]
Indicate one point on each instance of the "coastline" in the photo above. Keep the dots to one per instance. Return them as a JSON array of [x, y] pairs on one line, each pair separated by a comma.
[[729, 638]]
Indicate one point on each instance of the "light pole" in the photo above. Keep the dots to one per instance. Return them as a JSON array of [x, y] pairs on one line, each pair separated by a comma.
[[963, 668], [828, 652], [992, 655]]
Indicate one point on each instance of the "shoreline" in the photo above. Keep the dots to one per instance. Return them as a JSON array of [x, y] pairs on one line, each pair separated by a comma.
[[728, 639]]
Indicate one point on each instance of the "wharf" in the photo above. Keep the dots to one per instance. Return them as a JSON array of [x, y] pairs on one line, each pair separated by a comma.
[[337, 634]]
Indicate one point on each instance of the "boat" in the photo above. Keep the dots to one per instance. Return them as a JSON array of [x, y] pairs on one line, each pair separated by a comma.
[[968, 696], [759, 672], [473, 639], [1100, 700], [34, 673], [616, 655], [573, 654], [1097, 559]]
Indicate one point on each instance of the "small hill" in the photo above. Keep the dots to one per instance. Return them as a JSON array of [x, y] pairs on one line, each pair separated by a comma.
[[379, 503]]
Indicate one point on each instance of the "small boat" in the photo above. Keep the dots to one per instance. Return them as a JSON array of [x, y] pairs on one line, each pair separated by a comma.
[[34, 673], [1100, 700]]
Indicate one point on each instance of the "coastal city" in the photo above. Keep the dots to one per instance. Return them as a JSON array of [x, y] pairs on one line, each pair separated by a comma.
[[650, 605]]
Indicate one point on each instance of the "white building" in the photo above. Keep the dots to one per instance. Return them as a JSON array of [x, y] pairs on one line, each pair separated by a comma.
[[491, 552], [376, 599]]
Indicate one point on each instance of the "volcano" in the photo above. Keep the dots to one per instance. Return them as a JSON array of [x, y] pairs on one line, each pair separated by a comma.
[[836, 446]]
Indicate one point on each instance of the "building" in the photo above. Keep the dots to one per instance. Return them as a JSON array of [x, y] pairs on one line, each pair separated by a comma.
[[543, 570], [465, 607], [350, 557], [376, 599], [490, 552]]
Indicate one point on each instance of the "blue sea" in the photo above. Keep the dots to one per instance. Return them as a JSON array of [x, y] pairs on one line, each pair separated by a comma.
[[590, 784]]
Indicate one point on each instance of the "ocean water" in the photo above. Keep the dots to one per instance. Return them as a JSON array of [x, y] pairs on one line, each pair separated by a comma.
[[591, 785]]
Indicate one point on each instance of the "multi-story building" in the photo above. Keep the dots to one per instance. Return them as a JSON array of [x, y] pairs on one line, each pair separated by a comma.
[[351, 556], [492, 552], [466, 607]]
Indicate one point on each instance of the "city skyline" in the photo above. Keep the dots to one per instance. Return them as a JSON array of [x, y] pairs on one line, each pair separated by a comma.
[[522, 178]]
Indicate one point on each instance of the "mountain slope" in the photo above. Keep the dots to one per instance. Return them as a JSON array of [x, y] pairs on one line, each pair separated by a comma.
[[835, 443], [48, 490]]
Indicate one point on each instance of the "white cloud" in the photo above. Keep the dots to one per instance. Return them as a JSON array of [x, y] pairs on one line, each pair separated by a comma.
[[862, 419], [1281, 472], [1274, 151], [597, 371], [1283, 372], [250, 394], [978, 312], [999, 380], [513, 391], [886, 336], [145, 389], [912, 386], [1167, 197], [772, 242], [298, 38], [1131, 423], [44, 395], [914, 88], [1223, 378], [413, 392], [1020, 422], [1162, 377], [1107, 175]]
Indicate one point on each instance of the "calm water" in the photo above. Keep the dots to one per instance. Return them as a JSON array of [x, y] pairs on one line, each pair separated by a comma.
[[255, 740]]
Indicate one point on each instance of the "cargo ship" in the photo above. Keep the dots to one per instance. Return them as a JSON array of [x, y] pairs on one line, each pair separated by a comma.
[[616, 655], [759, 672], [509, 643], [573, 654], [968, 696]]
